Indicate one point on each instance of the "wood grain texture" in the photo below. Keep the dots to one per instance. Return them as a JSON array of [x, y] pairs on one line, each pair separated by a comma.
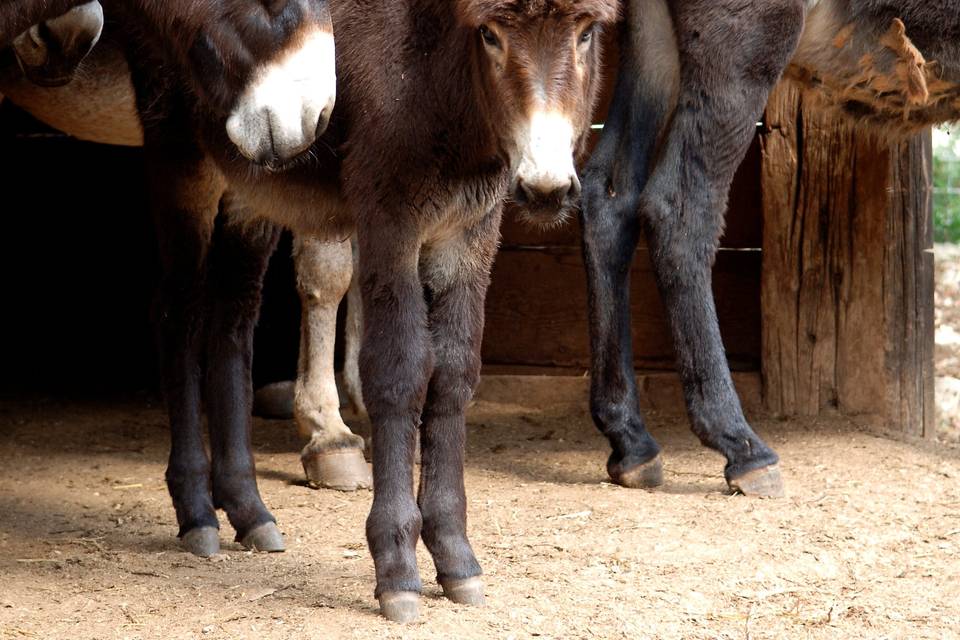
[[537, 310], [847, 284]]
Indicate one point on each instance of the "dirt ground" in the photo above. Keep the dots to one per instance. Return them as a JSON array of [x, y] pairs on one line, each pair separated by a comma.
[[867, 544]]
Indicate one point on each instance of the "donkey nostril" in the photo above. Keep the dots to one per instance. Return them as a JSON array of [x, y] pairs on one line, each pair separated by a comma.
[[530, 192], [575, 187], [521, 193], [323, 121], [559, 194]]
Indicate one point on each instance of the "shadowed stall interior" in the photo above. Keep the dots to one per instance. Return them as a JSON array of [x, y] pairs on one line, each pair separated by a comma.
[[81, 264], [80, 259]]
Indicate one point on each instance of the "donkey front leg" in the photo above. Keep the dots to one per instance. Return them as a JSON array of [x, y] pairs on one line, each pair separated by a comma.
[[238, 262], [333, 457], [396, 363], [725, 86], [456, 274], [184, 192]]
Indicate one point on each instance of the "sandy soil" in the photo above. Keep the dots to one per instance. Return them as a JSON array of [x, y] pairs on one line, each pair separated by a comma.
[[865, 546]]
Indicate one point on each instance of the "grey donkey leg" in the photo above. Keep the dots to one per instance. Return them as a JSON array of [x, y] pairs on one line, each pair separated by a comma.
[[724, 86]]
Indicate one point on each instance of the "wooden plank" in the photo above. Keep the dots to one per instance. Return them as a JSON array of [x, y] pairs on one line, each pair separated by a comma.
[[537, 310], [847, 285], [659, 390]]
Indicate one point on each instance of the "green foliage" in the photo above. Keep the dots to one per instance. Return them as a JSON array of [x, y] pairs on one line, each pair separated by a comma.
[[946, 185]]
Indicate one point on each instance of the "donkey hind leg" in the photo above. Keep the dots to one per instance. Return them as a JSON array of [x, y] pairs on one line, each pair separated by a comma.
[[184, 223], [238, 261], [352, 336], [682, 210], [456, 275], [396, 363], [612, 184], [333, 457]]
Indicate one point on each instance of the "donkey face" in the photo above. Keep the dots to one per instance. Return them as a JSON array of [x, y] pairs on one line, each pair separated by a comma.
[[539, 60], [50, 52], [268, 67]]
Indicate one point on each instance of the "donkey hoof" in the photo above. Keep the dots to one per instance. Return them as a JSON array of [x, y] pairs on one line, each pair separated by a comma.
[[400, 606], [340, 469], [266, 537], [274, 401], [466, 591], [202, 541], [642, 476], [765, 482]]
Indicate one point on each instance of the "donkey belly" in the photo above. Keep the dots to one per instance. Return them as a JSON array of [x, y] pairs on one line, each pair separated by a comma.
[[97, 106], [871, 71], [304, 200]]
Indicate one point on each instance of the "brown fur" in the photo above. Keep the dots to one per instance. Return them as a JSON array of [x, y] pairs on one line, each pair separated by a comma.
[[474, 13], [867, 67]]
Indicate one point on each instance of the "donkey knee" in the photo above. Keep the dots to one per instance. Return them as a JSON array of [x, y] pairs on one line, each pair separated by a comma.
[[395, 390], [452, 387], [680, 241], [324, 270]]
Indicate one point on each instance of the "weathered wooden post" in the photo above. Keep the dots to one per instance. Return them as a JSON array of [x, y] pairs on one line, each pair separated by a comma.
[[847, 284]]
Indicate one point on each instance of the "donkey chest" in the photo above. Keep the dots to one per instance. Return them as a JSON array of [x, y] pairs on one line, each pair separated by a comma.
[[451, 209], [309, 204]]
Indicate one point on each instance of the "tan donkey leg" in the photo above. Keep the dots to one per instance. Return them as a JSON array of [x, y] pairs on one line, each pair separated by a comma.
[[353, 333], [333, 457]]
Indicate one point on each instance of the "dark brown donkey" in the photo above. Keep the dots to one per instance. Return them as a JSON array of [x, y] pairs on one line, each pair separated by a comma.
[[238, 57], [256, 80], [695, 77], [444, 109]]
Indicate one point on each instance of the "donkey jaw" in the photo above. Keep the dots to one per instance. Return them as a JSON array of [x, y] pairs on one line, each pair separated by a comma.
[[288, 103]]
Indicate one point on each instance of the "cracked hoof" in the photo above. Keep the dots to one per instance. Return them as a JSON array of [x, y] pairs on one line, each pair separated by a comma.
[[765, 482], [202, 541], [266, 537], [340, 469], [642, 476], [400, 606], [466, 591], [274, 400]]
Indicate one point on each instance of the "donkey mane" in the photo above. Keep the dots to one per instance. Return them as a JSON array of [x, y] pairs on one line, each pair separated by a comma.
[[476, 12]]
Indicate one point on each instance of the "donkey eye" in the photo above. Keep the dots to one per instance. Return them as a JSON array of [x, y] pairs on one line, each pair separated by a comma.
[[587, 36], [489, 37]]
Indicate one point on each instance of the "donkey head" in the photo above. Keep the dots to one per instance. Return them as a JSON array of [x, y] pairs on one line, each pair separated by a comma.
[[50, 52], [267, 67], [539, 62]]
